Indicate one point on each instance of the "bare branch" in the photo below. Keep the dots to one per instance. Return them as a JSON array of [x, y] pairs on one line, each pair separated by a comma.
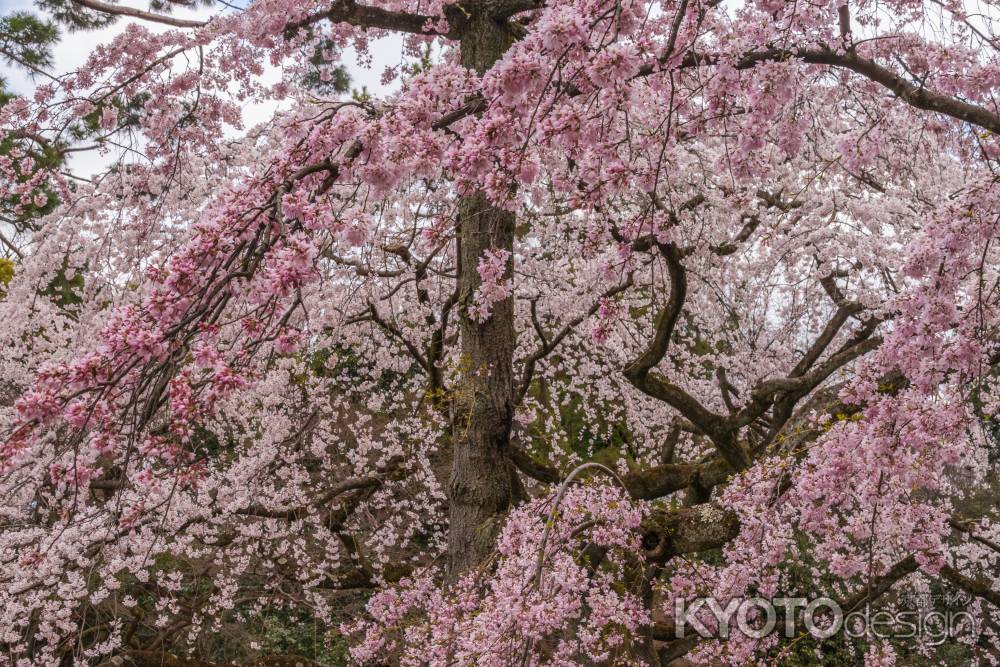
[[118, 10]]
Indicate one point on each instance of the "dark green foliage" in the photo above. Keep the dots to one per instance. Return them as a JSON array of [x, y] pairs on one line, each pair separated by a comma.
[[166, 6], [603, 440], [27, 41], [424, 64], [75, 17], [339, 80], [64, 291], [296, 632]]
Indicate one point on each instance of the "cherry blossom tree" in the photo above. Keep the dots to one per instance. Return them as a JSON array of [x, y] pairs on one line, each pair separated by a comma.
[[610, 303]]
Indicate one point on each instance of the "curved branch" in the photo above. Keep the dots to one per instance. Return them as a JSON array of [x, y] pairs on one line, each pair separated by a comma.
[[916, 96], [365, 16], [537, 471], [666, 319], [765, 394], [662, 480], [646, 484]]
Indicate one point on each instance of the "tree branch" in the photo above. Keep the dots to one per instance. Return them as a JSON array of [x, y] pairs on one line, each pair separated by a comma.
[[764, 394], [646, 484], [548, 345], [364, 16], [978, 587], [666, 319], [916, 96], [118, 10], [352, 484], [672, 532], [664, 479]]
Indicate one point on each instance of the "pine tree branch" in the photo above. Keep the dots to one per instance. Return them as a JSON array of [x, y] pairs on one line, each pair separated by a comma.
[[117, 10]]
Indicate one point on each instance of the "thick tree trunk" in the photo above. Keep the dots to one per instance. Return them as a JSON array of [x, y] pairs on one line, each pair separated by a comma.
[[483, 482]]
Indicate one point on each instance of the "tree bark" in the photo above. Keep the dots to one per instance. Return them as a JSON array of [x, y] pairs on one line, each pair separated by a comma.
[[483, 482]]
